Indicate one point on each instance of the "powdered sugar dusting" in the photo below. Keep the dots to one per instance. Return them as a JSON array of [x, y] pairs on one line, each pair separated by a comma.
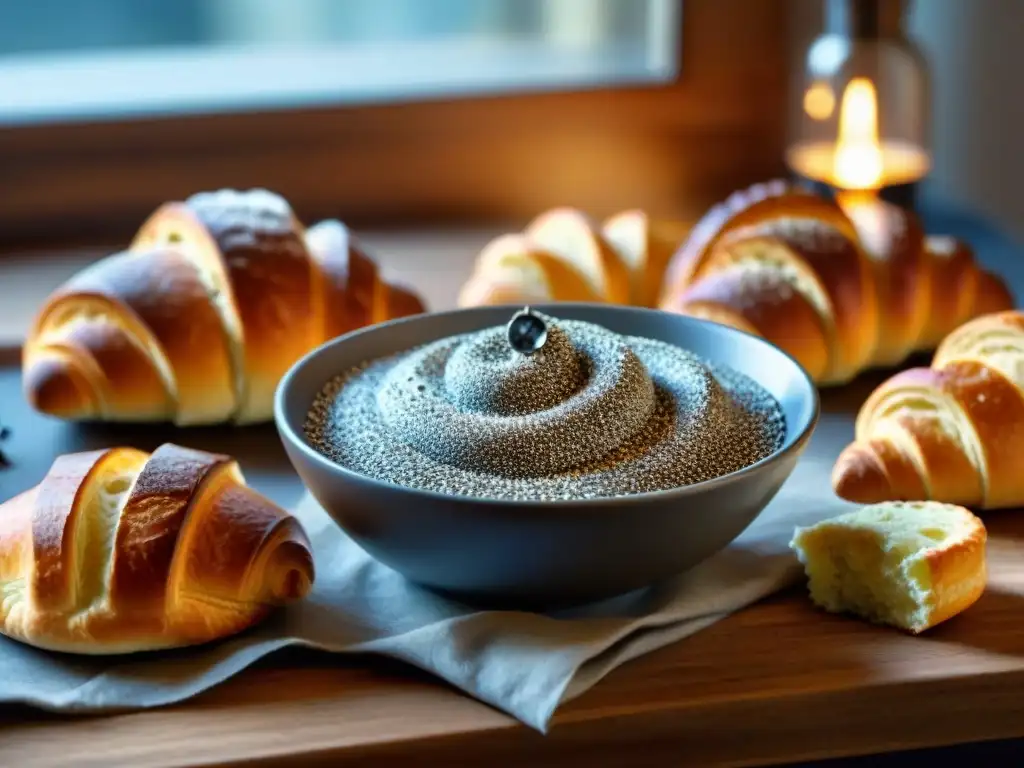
[[249, 218], [941, 245], [811, 235]]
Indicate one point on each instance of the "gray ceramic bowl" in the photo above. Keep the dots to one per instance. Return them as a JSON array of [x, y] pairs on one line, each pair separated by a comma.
[[543, 554]]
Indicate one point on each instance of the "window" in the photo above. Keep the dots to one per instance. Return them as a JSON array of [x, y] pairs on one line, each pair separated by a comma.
[[379, 110], [150, 57]]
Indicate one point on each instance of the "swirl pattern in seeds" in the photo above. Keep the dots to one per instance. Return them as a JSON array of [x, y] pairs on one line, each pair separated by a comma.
[[592, 414]]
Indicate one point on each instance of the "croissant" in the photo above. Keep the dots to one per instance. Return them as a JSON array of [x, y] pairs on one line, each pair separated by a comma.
[[953, 432], [117, 551], [563, 256], [199, 319], [841, 288]]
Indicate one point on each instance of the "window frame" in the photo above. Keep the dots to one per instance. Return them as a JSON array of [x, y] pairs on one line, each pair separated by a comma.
[[671, 148]]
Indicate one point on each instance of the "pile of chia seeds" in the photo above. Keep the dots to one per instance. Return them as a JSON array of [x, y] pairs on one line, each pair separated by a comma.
[[592, 414]]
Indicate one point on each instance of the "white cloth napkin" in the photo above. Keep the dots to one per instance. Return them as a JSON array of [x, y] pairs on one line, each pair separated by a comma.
[[525, 664]]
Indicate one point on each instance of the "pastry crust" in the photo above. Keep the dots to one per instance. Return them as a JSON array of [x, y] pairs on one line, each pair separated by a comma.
[[513, 269], [824, 266], [757, 203], [573, 238], [763, 301], [959, 424], [560, 256], [646, 244], [118, 551], [882, 289], [198, 321]]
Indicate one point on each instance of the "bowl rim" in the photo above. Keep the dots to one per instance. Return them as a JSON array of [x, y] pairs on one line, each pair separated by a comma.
[[291, 435]]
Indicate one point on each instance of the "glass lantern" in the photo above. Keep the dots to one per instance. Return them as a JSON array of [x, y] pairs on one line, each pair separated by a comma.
[[861, 104]]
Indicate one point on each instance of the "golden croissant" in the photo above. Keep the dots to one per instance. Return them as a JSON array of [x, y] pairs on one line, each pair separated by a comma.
[[953, 432], [118, 551], [842, 288], [562, 255], [199, 319]]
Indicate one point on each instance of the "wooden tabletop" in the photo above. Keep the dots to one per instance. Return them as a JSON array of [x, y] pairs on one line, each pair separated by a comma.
[[776, 683]]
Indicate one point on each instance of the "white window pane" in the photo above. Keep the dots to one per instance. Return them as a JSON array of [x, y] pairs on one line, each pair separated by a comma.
[[65, 59]]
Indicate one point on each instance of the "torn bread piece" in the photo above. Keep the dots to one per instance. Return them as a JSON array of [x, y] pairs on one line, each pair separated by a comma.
[[909, 565]]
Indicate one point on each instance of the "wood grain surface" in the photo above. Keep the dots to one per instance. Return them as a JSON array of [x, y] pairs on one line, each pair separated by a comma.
[[776, 683]]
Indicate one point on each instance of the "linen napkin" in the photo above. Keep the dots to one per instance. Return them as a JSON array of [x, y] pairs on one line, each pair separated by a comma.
[[522, 663]]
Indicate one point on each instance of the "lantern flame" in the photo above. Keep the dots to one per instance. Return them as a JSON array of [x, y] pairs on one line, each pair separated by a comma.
[[858, 163]]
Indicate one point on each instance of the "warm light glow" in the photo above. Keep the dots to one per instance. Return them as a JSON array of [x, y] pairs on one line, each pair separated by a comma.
[[858, 158], [819, 101]]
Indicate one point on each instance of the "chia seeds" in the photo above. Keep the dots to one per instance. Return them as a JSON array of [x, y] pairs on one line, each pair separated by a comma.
[[592, 414]]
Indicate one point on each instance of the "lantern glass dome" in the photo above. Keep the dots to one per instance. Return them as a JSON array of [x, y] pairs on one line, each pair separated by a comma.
[[860, 101]]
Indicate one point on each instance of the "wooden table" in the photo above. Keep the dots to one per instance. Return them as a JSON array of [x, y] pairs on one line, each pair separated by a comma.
[[776, 683]]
